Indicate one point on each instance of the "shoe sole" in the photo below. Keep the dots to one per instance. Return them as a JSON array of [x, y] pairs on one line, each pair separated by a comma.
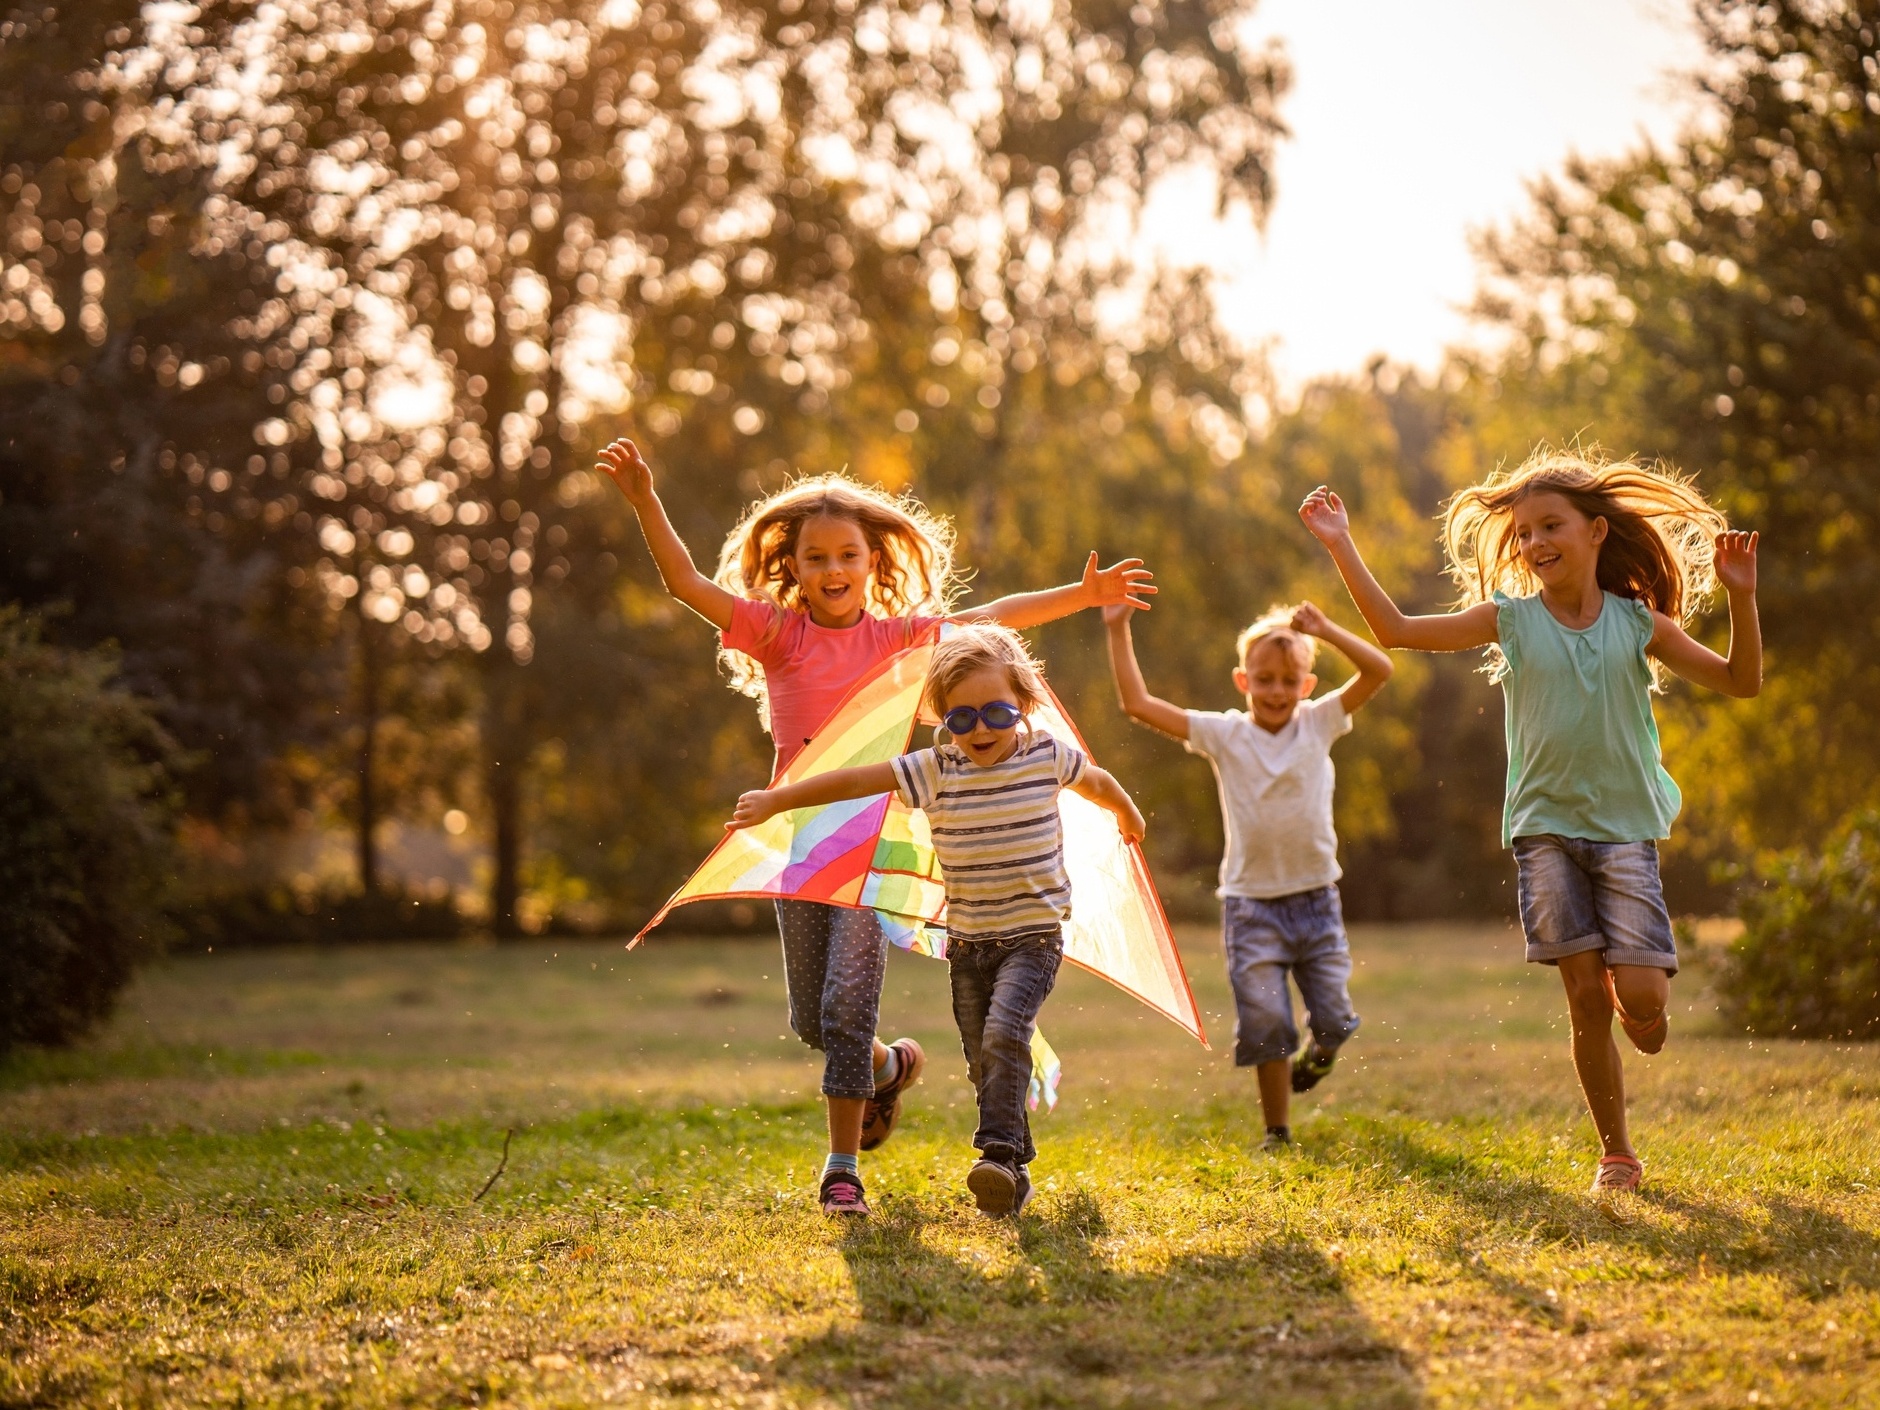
[[992, 1188], [886, 1113]]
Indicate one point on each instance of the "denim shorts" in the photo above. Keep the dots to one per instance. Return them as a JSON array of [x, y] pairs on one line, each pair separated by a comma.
[[1302, 935], [1578, 895]]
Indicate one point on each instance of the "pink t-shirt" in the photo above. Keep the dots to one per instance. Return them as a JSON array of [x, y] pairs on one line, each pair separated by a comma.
[[808, 670]]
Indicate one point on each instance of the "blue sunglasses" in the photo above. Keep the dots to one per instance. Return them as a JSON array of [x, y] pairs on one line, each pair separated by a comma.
[[962, 719]]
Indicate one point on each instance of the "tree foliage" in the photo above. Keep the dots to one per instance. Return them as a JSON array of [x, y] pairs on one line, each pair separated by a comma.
[[1717, 303]]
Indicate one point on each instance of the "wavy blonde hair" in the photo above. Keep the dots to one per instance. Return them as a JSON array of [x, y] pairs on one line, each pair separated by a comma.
[[1660, 544], [981, 646], [913, 576]]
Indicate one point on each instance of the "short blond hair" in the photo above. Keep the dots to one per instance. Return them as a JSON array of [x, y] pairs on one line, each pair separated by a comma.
[[1276, 624], [984, 646]]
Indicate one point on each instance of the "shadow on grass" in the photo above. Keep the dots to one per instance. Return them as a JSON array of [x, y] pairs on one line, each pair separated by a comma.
[[1661, 1232], [957, 1310]]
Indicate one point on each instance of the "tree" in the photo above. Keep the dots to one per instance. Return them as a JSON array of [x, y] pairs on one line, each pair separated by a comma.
[[131, 495], [1715, 303]]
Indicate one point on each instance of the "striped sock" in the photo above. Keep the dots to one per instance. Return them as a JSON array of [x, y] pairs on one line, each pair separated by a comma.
[[835, 1160]]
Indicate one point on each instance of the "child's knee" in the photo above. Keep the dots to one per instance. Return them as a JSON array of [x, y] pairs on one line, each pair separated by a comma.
[[1643, 992], [1263, 1034]]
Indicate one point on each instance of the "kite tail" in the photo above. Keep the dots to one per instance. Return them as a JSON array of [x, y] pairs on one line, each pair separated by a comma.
[[915, 936], [1045, 1072]]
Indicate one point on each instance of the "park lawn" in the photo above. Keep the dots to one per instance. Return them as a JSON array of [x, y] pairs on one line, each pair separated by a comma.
[[255, 1188]]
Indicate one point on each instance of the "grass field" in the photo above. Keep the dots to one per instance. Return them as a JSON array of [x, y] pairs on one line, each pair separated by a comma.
[[255, 1189]]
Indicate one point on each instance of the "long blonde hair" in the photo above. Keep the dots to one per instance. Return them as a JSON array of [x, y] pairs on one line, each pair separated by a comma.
[[1660, 532], [913, 575]]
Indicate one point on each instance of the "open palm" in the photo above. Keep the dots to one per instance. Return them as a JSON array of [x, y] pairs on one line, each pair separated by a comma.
[[1736, 561], [1324, 514], [622, 463], [1124, 582]]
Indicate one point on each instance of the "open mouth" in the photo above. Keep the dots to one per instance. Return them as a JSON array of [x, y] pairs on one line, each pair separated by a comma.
[[1546, 560]]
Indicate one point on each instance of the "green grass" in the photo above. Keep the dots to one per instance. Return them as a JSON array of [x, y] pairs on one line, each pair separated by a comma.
[[254, 1188]]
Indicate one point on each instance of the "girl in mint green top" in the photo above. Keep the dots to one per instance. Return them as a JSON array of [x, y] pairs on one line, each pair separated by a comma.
[[1578, 577], [1582, 742]]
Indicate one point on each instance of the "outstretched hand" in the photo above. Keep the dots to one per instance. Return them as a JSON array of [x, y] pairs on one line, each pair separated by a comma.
[[1122, 583], [753, 808], [1310, 620], [622, 463], [1324, 514], [1735, 560]]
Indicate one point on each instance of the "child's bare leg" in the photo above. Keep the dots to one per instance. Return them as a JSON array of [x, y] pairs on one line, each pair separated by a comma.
[[1595, 1055], [1643, 993], [1275, 1091], [845, 1124]]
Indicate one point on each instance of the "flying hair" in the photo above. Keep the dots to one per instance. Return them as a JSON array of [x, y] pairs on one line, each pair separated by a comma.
[[913, 575], [983, 646], [1660, 532]]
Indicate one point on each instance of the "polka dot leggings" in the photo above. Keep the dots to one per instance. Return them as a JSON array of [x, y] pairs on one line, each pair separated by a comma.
[[833, 959]]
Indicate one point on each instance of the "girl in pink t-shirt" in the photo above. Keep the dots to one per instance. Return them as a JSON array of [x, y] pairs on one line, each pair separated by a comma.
[[816, 585]]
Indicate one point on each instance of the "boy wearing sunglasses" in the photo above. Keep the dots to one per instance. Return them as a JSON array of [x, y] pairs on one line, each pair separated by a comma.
[[990, 794]]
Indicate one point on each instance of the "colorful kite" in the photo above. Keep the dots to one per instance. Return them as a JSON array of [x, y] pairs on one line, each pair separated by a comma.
[[876, 853]]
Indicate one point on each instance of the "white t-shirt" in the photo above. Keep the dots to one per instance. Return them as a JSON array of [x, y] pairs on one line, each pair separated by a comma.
[[1276, 796]]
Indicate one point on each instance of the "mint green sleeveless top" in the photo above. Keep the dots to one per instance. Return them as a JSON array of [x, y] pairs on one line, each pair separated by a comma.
[[1583, 754]]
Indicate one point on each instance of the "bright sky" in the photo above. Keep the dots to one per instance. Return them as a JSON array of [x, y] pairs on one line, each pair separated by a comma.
[[1414, 123]]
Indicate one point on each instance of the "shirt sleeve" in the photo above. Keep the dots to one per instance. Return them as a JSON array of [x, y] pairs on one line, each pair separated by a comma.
[[753, 629], [1071, 763], [1207, 731], [1508, 614], [917, 777], [1642, 615], [1329, 717]]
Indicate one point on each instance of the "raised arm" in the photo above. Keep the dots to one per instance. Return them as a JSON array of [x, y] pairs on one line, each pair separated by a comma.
[[1101, 788], [1740, 673], [1138, 704], [1324, 514], [1127, 581], [1374, 667], [622, 463], [862, 782]]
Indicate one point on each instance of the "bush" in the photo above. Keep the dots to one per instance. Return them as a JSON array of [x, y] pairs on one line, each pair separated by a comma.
[[277, 914], [85, 847], [1808, 962]]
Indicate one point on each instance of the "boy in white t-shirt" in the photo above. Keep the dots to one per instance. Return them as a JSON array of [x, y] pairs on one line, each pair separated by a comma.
[[1279, 892]]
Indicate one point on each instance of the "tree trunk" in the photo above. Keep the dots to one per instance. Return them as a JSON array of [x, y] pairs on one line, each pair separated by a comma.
[[368, 802], [503, 783]]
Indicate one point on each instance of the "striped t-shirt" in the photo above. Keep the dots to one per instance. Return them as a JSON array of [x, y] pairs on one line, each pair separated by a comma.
[[997, 834]]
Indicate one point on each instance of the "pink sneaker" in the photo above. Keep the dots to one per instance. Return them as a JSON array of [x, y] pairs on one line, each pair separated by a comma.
[[842, 1193]]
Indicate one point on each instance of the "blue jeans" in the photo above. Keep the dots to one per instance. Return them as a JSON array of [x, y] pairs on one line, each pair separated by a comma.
[[998, 988], [833, 961], [1303, 933], [1578, 895]]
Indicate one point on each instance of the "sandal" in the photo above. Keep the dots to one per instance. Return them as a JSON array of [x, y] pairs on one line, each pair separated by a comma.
[[1618, 1175]]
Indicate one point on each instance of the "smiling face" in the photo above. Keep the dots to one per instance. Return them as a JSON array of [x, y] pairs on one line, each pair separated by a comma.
[[1274, 679], [1557, 541], [833, 564], [983, 744]]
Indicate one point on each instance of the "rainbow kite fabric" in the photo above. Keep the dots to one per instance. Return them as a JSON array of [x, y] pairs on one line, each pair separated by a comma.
[[877, 854]]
